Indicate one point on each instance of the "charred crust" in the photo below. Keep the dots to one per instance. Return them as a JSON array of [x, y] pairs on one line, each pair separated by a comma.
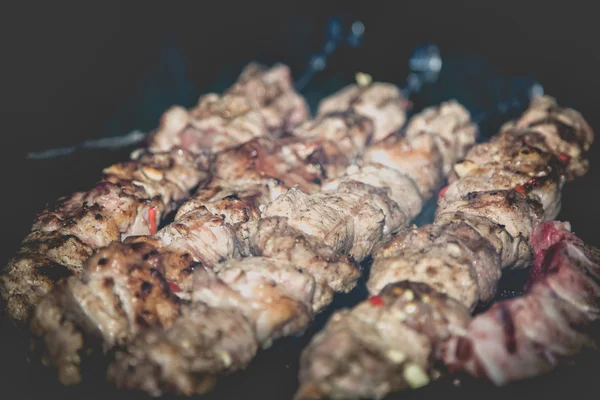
[[108, 282], [69, 222], [149, 254], [54, 271], [565, 131], [137, 246], [141, 321], [146, 287], [155, 273]]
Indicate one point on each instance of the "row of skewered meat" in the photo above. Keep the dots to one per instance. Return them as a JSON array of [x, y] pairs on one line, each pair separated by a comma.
[[221, 223], [425, 281], [241, 181], [284, 211]]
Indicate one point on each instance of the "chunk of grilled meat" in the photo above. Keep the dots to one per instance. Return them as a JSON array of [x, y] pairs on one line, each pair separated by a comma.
[[380, 345], [563, 132], [274, 238], [382, 103], [203, 235], [262, 103], [121, 292], [130, 200], [551, 324], [273, 294], [186, 357], [482, 225], [333, 141]]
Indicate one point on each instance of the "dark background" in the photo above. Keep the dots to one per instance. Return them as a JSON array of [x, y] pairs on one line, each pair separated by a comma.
[[72, 71]]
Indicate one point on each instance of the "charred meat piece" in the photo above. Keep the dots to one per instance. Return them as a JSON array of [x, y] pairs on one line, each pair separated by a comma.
[[203, 235], [450, 127], [185, 357], [122, 292], [563, 131], [403, 198]]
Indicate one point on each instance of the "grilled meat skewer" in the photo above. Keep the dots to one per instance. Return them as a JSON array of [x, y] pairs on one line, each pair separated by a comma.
[[133, 196], [424, 282], [291, 273]]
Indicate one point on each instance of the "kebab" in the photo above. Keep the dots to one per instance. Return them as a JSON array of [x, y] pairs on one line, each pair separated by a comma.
[[552, 324], [134, 196], [289, 275], [201, 235], [425, 281]]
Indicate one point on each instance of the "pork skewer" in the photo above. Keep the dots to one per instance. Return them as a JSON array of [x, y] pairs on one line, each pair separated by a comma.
[[290, 274], [553, 323], [199, 238], [135, 195], [425, 281]]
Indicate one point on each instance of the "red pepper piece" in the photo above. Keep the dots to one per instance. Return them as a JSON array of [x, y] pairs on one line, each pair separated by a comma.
[[563, 158], [152, 220], [443, 190], [174, 287], [521, 189], [376, 301]]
